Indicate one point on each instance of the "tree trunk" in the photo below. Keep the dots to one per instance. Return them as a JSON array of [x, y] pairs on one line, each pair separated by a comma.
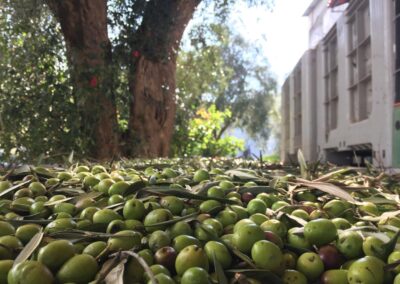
[[152, 76], [84, 26]]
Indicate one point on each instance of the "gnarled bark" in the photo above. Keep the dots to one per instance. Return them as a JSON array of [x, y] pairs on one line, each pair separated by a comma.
[[84, 26], [152, 76]]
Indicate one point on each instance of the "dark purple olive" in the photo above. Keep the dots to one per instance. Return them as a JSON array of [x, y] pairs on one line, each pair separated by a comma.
[[166, 256], [247, 196], [331, 257]]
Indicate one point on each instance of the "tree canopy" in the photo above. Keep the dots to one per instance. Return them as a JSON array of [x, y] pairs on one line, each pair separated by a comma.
[[108, 88]]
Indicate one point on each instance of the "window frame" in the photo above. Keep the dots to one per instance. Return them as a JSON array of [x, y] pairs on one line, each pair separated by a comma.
[[359, 60], [331, 72]]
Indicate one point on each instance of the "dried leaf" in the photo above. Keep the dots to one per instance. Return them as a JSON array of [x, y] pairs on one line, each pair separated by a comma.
[[71, 157], [327, 176], [107, 267], [241, 174], [144, 264], [116, 275], [29, 247], [383, 218], [303, 165]]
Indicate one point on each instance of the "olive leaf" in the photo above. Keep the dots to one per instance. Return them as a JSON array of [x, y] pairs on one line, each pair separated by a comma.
[[392, 266], [107, 267], [188, 218], [29, 248], [295, 219], [219, 271], [184, 194], [116, 275], [385, 216], [232, 249], [389, 246], [55, 202], [17, 186], [329, 175], [20, 171], [71, 157], [19, 222], [201, 189], [380, 200], [328, 188], [70, 191], [144, 264], [257, 189], [303, 165], [241, 174], [241, 255]]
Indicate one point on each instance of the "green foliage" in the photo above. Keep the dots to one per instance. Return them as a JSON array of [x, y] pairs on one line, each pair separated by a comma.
[[272, 159], [220, 68], [37, 107], [203, 131], [41, 108]]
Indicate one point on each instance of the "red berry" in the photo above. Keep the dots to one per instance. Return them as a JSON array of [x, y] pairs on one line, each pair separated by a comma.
[[93, 82], [135, 53]]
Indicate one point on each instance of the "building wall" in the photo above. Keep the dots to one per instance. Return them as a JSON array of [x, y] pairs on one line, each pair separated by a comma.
[[285, 110], [374, 133], [376, 129], [309, 125], [322, 19]]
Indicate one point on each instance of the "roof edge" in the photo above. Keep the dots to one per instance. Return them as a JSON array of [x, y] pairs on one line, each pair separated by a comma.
[[311, 7]]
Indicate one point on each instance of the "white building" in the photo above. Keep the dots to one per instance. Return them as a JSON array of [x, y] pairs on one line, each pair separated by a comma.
[[342, 100]]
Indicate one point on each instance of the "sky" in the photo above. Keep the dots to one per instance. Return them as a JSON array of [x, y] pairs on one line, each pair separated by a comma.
[[282, 32], [283, 35]]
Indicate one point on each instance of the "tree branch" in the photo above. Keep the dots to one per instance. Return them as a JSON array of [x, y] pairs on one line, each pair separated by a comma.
[[164, 22], [227, 124]]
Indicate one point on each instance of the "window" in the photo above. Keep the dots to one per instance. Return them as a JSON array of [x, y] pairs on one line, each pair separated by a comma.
[[297, 107], [331, 81], [359, 60]]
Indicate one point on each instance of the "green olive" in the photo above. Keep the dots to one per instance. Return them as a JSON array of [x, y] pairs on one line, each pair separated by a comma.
[[56, 253], [6, 229], [26, 232], [95, 248], [30, 272], [5, 267], [124, 240], [80, 269]]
